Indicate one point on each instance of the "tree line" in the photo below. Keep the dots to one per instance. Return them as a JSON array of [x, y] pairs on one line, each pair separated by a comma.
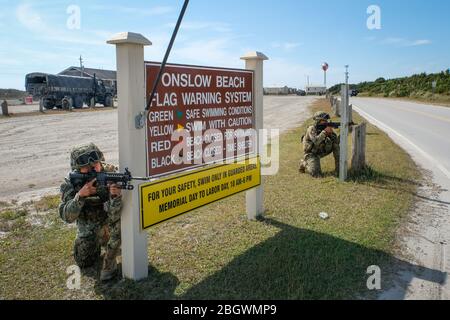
[[418, 85], [12, 94]]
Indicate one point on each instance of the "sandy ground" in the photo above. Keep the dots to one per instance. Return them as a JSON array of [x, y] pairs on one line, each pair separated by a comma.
[[34, 148], [30, 108], [22, 108]]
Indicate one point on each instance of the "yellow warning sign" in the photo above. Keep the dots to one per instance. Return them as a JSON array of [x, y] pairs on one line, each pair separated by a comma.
[[166, 199]]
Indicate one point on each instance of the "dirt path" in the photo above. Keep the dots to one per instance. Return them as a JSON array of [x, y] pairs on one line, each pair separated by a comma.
[[34, 149]]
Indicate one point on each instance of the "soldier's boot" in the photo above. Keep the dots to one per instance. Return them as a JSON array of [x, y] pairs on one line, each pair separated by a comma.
[[336, 154], [313, 167], [109, 270], [302, 167]]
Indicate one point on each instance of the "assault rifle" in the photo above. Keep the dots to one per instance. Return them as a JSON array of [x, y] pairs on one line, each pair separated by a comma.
[[103, 178], [334, 125]]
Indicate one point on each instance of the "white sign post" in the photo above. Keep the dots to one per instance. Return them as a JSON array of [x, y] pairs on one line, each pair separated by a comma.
[[343, 167], [255, 61], [132, 151]]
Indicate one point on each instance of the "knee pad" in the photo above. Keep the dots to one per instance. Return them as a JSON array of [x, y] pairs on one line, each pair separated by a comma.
[[313, 166]]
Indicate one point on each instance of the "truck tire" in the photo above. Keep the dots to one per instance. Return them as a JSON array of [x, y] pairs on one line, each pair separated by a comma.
[[78, 102], [41, 105], [108, 102], [47, 104], [67, 103]]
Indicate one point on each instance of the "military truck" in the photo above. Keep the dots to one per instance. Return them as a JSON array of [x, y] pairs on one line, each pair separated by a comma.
[[67, 92]]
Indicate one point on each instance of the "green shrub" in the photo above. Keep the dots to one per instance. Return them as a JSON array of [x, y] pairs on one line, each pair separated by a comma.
[[404, 87]]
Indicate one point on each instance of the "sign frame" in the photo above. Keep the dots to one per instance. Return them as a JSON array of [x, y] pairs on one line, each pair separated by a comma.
[[203, 165]]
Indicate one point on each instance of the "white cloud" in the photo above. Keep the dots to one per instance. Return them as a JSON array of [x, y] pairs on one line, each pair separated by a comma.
[[393, 41], [402, 42], [287, 46], [32, 20], [215, 52], [280, 72], [153, 11], [421, 43], [372, 38], [7, 62], [29, 18], [203, 25]]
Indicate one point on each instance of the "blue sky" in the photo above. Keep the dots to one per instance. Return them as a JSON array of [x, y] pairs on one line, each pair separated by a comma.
[[296, 35]]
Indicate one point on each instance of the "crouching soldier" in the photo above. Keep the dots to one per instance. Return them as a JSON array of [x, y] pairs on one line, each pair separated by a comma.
[[96, 211], [318, 142]]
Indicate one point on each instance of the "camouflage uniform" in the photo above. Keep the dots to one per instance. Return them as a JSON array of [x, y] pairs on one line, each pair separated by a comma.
[[97, 218], [317, 145]]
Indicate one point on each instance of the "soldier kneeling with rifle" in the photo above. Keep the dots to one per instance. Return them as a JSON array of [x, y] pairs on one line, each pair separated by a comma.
[[318, 142], [95, 207]]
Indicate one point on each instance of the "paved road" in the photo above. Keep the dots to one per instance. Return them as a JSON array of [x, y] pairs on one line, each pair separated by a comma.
[[34, 147], [424, 132]]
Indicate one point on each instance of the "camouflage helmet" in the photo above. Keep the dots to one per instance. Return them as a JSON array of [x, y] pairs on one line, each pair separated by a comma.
[[84, 149], [321, 116]]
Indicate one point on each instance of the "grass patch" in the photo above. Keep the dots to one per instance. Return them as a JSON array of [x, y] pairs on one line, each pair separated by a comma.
[[14, 225], [13, 214], [4, 204], [216, 253], [13, 219], [47, 203]]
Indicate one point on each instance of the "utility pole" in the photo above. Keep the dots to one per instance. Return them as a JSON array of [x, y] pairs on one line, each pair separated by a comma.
[[346, 75], [81, 66], [345, 114]]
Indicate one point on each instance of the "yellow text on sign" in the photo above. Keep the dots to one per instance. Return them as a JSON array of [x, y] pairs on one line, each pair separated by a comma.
[[163, 200]]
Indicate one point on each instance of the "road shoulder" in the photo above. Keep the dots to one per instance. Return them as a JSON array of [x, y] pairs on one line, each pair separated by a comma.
[[422, 237]]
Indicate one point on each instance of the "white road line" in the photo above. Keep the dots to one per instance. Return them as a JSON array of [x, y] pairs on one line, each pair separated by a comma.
[[422, 113], [387, 129]]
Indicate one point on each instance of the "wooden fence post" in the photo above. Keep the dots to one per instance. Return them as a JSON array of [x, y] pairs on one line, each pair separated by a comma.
[[359, 147], [337, 107]]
